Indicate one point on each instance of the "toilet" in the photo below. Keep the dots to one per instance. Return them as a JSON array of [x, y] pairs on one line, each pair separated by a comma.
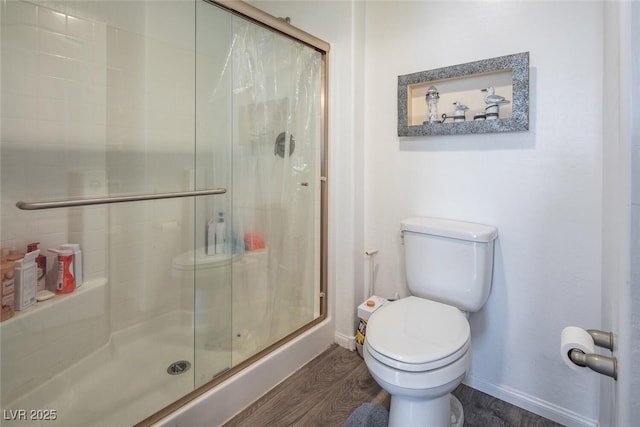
[[418, 348]]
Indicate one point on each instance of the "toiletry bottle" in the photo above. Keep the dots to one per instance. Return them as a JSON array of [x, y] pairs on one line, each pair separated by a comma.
[[220, 234], [65, 283], [26, 280], [77, 261], [7, 270], [41, 263], [211, 238]]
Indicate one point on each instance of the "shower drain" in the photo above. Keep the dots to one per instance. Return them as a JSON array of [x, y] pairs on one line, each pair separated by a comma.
[[177, 368]]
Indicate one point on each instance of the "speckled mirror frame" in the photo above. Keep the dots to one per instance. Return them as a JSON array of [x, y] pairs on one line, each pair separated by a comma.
[[519, 120]]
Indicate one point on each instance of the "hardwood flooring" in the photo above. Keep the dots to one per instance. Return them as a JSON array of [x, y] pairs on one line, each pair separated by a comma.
[[324, 392]]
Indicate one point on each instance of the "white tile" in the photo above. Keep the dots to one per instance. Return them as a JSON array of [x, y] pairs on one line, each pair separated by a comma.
[[21, 12], [52, 20], [78, 49], [53, 66], [77, 91], [52, 87], [79, 70], [78, 135], [51, 109], [80, 112], [53, 43], [20, 36], [19, 68], [99, 115], [100, 36], [52, 134], [80, 28], [14, 131], [98, 72], [19, 106], [94, 240]]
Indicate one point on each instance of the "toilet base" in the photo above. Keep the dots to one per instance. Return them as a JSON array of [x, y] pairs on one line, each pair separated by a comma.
[[445, 411]]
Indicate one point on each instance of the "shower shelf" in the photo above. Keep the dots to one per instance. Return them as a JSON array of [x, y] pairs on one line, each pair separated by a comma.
[[76, 302], [29, 206]]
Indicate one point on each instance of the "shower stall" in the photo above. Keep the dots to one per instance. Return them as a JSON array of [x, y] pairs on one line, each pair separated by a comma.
[[182, 146]]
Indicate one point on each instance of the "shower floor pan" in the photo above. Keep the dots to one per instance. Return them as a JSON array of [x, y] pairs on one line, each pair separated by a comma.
[[126, 380]]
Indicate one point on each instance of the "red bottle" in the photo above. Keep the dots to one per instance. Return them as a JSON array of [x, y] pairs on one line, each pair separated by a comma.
[[65, 282]]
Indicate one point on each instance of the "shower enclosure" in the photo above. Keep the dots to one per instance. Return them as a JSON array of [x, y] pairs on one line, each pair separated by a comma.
[[182, 146]]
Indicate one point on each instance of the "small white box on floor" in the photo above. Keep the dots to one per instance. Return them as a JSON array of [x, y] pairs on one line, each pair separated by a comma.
[[365, 310]]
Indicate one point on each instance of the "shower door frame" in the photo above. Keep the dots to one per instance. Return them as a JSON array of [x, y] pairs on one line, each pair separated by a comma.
[[259, 17]]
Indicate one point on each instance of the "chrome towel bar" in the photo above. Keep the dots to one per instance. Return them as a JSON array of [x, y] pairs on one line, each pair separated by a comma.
[[30, 206]]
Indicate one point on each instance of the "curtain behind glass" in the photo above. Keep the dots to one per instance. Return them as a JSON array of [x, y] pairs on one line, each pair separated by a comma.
[[276, 97]]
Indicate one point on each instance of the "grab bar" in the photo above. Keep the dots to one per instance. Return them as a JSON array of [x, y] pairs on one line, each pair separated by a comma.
[[30, 206]]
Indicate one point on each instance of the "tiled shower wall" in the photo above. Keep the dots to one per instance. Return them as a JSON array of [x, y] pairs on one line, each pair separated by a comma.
[[87, 90], [53, 128]]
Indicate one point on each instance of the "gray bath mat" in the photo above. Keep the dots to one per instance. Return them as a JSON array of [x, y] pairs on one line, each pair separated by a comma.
[[368, 415]]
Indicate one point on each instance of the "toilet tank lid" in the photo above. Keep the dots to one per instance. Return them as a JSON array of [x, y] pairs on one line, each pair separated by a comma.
[[453, 229]]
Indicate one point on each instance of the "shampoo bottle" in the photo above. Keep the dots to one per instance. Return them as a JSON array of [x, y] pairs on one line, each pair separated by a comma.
[[220, 234], [26, 280], [77, 261], [65, 283], [41, 263], [7, 270], [211, 238]]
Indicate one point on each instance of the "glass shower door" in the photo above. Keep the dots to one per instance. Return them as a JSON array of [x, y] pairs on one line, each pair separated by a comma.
[[258, 92], [213, 216], [276, 181], [112, 99]]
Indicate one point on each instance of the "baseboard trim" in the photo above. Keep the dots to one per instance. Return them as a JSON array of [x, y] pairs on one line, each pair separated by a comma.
[[345, 341], [531, 404]]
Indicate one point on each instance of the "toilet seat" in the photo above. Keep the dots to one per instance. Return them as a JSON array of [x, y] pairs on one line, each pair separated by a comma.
[[416, 334]]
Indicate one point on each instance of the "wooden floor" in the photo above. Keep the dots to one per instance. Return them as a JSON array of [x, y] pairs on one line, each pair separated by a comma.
[[324, 392]]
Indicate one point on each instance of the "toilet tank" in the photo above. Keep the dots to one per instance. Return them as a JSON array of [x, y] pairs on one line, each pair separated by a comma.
[[449, 261]]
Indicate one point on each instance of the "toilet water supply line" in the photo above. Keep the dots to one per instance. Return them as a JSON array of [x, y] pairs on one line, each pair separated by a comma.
[[371, 253]]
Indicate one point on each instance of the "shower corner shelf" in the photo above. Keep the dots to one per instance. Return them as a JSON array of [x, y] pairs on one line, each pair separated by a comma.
[[462, 83]]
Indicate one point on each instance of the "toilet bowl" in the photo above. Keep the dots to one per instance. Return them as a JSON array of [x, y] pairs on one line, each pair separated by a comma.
[[418, 351], [418, 348]]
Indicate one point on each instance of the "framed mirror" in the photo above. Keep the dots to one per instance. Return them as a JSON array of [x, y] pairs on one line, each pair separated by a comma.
[[490, 95]]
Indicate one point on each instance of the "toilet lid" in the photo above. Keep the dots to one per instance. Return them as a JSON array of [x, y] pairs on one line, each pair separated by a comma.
[[420, 333]]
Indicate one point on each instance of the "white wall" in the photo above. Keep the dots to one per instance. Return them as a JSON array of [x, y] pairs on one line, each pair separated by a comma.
[[541, 188]]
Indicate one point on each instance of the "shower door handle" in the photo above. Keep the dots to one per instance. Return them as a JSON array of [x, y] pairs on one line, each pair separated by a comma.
[[30, 206]]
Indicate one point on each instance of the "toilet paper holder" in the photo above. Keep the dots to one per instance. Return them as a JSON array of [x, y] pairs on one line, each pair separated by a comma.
[[596, 362]]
